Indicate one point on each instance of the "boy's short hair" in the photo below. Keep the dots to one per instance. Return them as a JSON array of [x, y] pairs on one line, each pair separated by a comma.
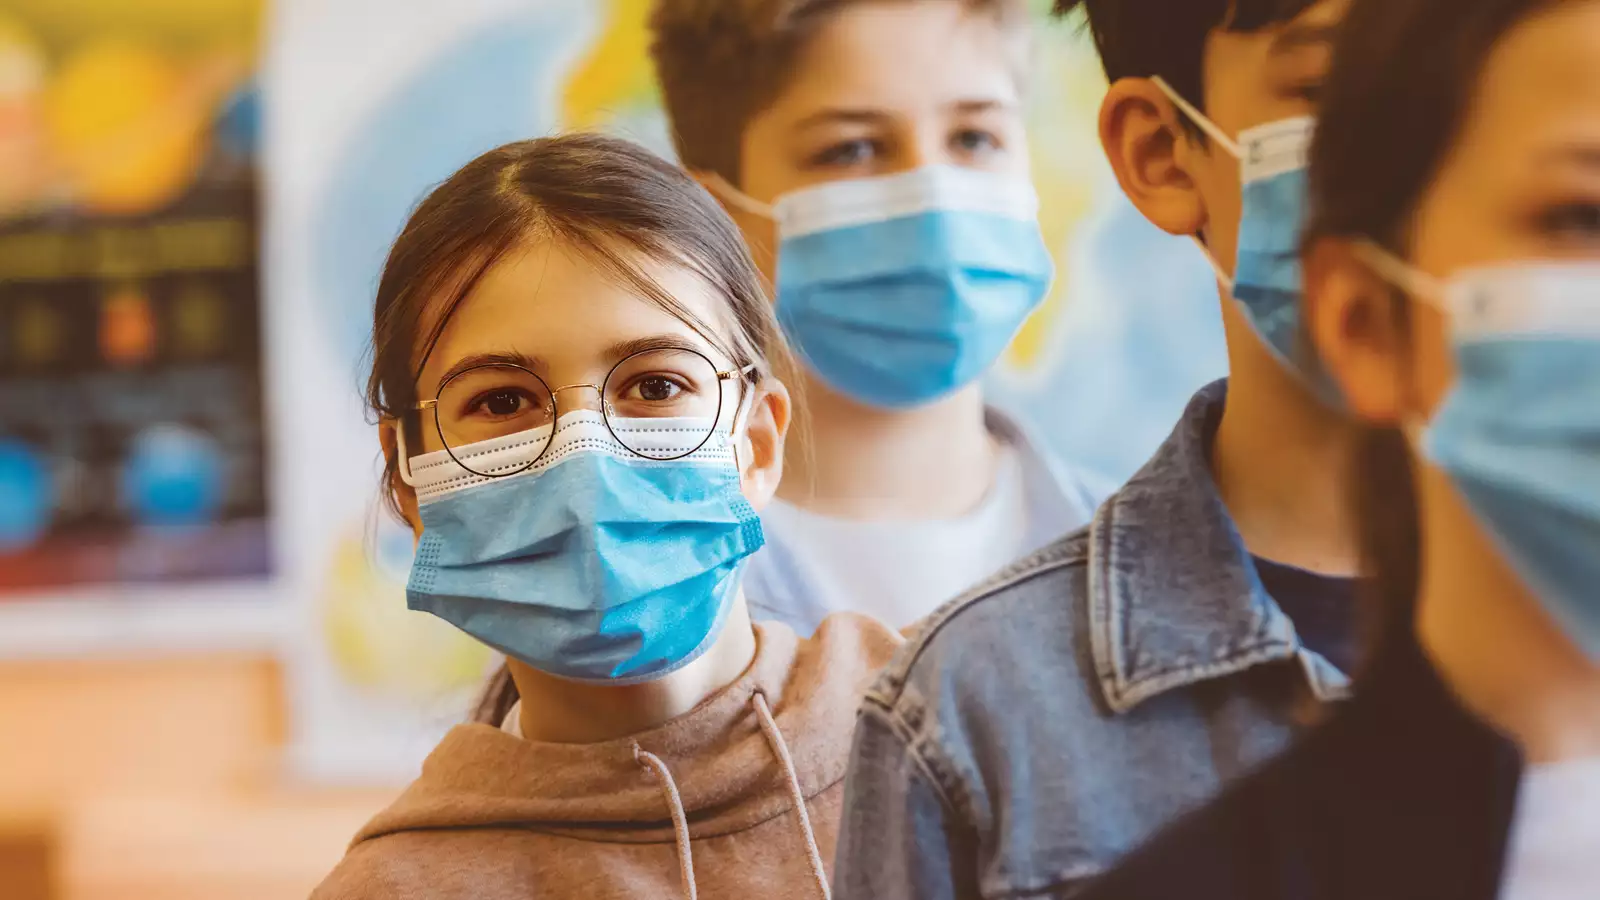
[[1143, 38], [721, 62]]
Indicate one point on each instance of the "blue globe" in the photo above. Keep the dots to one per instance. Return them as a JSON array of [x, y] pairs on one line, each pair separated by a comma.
[[239, 124], [27, 495], [173, 476]]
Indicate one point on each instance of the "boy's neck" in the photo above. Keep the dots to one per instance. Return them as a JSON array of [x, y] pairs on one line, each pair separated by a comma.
[[1280, 460], [853, 461]]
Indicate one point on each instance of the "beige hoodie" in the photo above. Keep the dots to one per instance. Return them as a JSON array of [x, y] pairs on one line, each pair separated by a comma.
[[495, 816]]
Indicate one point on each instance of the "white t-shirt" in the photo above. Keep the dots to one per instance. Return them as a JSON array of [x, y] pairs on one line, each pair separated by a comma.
[[900, 571], [1555, 845]]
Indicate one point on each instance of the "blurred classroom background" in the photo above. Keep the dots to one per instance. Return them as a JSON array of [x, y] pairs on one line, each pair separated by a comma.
[[208, 678]]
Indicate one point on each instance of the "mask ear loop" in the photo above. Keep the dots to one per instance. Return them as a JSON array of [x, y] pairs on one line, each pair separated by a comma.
[[1199, 118], [1223, 278], [1212, 131], [741, 413], [1403, 275], [1416, 284], [720, 186], [402, 463]]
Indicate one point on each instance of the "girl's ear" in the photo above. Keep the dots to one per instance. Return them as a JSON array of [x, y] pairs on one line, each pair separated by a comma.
[[1352, 319], [760, 450], [405, 496]]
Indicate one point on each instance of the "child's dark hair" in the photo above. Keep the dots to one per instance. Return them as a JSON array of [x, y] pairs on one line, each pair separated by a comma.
[[1403, 78], [607, 199], [1145, 38]]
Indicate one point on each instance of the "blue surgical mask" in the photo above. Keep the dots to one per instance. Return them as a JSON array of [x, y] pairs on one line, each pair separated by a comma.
[[1519, 432], [898, 290], [1266, 279], [595, 564]]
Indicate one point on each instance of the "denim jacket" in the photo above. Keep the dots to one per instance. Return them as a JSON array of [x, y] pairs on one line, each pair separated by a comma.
[[1038, 728], [1402, 794]]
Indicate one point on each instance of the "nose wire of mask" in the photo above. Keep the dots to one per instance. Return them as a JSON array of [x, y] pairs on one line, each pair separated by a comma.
[[900, 289], [593, 565], [1518, 434], [1266, 280], [680, 820]]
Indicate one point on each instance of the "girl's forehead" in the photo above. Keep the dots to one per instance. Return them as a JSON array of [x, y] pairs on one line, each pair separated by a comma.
[[564, 306]]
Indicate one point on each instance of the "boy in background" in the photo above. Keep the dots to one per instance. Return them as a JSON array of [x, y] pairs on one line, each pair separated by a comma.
[[874, 155], [1049, 722]]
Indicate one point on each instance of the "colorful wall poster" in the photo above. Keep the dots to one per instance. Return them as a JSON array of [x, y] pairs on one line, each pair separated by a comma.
[[133, 437], [357, 138]]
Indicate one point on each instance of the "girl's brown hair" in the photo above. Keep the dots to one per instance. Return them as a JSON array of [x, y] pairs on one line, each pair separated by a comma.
[[1403, 79], [610, 200]]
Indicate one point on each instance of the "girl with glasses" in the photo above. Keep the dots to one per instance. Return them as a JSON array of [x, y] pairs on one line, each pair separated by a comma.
[[576, 375]]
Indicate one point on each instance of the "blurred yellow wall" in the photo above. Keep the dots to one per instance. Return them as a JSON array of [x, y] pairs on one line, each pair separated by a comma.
[[159, 778]]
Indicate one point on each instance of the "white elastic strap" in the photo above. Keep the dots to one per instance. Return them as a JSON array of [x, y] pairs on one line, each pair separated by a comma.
[[1415, 428], [1223, 277], [720, 186], [1199, 118], [680, 821], [1227, 143], [403, 464], [1418, 284], [747, 397], [781, 750]]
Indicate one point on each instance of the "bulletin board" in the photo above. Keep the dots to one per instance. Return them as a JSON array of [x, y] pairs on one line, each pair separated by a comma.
[[135, 507]]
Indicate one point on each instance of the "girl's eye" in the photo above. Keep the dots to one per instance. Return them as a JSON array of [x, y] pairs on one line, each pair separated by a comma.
[[974, 141], [657, 389], [502, 402], [847, 153], [1573, 220]]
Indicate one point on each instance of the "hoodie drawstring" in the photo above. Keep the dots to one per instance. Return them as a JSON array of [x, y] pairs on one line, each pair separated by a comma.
[[680, 820], [781, 750]]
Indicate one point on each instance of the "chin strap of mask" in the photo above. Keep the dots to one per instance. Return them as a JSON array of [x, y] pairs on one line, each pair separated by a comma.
[[680, 820]]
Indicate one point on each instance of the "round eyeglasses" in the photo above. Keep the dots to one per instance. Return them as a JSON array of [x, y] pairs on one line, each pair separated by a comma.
[[496, 400]]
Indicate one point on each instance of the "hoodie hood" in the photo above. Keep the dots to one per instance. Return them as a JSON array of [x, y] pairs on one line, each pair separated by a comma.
[[726, 771]]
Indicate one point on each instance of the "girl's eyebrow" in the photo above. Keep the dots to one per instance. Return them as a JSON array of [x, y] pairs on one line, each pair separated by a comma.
[[533, 364], [624, 349]]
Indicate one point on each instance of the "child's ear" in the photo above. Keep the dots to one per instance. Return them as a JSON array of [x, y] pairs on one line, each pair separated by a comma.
[[760, 450], [1352, 320], [1149, 152], [404, 495]]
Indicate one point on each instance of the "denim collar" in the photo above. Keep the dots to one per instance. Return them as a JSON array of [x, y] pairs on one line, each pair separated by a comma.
[[1174, 599]]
